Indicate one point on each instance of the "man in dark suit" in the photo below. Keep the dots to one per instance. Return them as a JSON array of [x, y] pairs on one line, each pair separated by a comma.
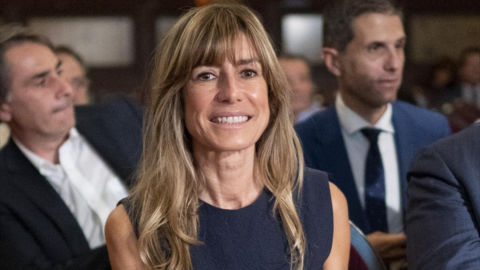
[[443, 214], [62, 172], [364, 48]]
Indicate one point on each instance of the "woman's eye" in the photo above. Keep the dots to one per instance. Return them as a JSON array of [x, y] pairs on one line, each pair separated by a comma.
[[249, 73], [205, 76]]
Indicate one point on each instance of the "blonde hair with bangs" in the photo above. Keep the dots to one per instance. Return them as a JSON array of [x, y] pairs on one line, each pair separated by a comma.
[[165, 201]]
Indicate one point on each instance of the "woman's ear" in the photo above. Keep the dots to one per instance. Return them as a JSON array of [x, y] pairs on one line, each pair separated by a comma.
[[330, 56]]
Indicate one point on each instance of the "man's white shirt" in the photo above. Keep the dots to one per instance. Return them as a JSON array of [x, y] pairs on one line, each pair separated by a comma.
[[87, 185], [471, 93], [357, 148]]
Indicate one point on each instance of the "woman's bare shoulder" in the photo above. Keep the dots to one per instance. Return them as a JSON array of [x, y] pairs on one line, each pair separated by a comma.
[[339, 202], [118, 224], [121, 241]]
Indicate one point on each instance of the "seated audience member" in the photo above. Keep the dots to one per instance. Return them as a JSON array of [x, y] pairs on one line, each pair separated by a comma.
[[443, 214], [222, 184], [61, 172], [467, 89], [469, 74], [367, 139], [299, 77], [441, 77], [75, 72], [461, 101]]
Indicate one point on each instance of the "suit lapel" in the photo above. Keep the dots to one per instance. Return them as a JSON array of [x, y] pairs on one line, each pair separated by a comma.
[[405, 140], [95, 130], [335, 158], [117, 142], [25, 177]]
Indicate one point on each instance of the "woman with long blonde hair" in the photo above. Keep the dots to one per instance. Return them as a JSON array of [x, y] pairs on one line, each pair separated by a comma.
[[222, 183]]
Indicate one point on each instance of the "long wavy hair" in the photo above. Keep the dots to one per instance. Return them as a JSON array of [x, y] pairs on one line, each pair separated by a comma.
[[165, 200]]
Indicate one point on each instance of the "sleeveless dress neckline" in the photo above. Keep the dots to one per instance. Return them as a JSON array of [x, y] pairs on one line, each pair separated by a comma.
[[253, 237], [260, 197]]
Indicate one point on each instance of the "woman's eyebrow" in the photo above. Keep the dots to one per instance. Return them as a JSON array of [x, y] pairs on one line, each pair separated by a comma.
[[247, 61]]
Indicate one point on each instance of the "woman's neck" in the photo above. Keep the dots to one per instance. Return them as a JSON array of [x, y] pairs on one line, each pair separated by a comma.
[[231, 181]]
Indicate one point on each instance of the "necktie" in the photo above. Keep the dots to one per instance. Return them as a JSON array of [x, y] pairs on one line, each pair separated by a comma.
[[375, 207]]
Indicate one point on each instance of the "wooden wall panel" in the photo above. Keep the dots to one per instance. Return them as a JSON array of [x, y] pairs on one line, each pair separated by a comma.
[[145, 12]]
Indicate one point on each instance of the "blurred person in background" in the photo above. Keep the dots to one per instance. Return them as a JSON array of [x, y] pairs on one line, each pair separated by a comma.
[[75, 72], [432, 92], [467, 86], [461, 101], [442, 76], [63, 169], [469, 75], [305, 101]]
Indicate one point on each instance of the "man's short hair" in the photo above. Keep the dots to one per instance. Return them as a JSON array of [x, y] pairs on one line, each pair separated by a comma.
[[63, 49], [13, 35], [338, 19]]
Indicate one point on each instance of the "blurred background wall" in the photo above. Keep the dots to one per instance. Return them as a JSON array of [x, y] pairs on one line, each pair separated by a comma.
[[117, 37]]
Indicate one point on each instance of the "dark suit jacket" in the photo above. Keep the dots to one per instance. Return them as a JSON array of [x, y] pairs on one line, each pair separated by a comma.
[[37, 230], [324, 148], [443, 214]]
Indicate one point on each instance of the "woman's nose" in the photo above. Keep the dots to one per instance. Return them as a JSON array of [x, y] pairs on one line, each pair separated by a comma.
[[229, 90]]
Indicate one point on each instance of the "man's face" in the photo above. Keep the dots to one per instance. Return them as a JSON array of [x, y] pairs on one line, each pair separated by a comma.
[[300, 81], [39, 102], [372, 64], [470, 71], [74, 73]]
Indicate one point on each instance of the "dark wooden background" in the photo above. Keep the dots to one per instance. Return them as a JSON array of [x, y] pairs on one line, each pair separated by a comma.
[[131, 79]]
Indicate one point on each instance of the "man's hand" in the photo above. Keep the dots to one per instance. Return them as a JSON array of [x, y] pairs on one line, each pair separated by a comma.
[[390, 247]]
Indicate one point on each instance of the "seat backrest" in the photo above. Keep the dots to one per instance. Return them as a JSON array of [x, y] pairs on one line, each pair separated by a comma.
[[356, 261], [361, 247]]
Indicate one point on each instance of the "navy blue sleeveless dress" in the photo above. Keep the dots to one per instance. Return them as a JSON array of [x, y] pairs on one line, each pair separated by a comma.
[[253, 238]]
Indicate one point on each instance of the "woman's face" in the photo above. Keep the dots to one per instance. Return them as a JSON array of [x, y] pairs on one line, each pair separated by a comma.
[[226, 105]]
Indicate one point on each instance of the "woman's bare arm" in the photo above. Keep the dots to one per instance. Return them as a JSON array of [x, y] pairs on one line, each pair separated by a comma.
[[340, 253], [122, 242]]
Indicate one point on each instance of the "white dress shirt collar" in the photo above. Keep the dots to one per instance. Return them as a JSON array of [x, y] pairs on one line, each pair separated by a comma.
[[44, 166], [351, 122]]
